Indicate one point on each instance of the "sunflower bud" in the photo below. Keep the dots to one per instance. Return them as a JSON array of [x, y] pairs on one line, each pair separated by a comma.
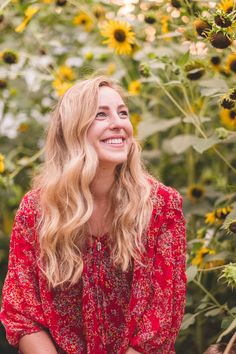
[[223, 21], [194, 70], [229, 273], [150, 18], [220, 40], [232, 227], [176, 3], [3, 84], [61, 2], [9, 57], [202, 27], [222, 133], [144, 69], [215, 60]]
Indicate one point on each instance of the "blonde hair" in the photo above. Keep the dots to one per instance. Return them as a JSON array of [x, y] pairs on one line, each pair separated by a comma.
[[66, 202]]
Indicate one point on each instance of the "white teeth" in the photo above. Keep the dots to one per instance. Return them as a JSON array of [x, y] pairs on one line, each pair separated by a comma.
[[113, 141]]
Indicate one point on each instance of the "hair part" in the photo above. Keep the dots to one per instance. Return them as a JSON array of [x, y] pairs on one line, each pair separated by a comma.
[[66, 201]]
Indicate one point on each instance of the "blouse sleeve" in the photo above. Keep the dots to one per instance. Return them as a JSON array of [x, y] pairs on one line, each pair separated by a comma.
[[21, 311], [157, 328]]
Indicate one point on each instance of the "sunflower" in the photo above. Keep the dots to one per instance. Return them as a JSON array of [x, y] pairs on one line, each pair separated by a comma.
[[165, 24], [135, 119], [119, 36], [231, 62], [198, 260], [215, 62], [29, 13], [63, 77], [227, 5], [111, 68], [228, 118], [2, 166], [61, 87], [196, 192], [65, 72], [99, 12], [83, 19], [23, 127], [134, 87], [217, 216], [226, 102]]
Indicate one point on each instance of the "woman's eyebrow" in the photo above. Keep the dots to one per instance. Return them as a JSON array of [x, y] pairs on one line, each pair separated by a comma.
[[107, 107]]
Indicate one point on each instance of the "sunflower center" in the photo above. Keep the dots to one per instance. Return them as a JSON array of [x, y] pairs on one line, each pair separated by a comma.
[[83, 21], [120, 35], [233, 65], [197, 192], [232, 115]]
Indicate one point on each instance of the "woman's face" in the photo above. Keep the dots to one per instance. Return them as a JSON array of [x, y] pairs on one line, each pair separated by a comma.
[[111, 132]]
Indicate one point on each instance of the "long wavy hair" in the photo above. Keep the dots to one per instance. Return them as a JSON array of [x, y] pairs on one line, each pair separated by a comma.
[[66, 201]]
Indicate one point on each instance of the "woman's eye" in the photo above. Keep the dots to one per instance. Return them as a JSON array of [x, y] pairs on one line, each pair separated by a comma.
[[101, 115], [124, 113]]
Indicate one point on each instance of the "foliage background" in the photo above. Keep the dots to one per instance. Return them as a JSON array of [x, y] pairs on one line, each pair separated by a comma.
[[179, 74]]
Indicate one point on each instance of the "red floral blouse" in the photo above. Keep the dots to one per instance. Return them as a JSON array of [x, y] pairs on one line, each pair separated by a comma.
[[108, 310]]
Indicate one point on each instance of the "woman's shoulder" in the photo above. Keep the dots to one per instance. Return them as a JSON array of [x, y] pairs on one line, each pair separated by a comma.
[[29, 205], [163, 195]]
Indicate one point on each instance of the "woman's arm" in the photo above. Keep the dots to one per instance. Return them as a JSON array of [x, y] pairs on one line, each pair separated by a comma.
[[37, 343]]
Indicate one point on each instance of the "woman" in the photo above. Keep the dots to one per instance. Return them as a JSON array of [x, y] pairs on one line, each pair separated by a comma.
[[97, 254]]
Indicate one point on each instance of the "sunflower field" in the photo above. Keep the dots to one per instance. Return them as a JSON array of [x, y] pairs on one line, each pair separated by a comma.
[[177, 61]]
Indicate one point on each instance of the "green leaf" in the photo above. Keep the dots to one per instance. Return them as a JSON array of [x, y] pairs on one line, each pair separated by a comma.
[[213, 312], [191, 273], [226, 322], [149, 127], [228, 330], [212, 87], [183, 59], [181, 143], [201, 145], [188, 320]]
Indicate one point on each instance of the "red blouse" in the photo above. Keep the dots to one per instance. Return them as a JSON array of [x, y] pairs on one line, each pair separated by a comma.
[[108, 310]]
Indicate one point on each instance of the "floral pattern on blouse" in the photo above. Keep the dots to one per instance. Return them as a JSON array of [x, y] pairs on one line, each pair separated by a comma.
[[108, 310]]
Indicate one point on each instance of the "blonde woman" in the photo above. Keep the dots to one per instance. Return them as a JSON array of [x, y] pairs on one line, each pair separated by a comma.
[[97, 254]]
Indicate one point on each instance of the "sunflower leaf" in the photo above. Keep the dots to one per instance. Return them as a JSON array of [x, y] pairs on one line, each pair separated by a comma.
[[212, 87], [228, 330], [191, 273], [150, 126], [181, 143], [201, 145]]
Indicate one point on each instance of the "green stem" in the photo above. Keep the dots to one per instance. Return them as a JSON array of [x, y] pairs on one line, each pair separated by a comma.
[[214, 268], [207, 293], [29, 161], [202, 287]]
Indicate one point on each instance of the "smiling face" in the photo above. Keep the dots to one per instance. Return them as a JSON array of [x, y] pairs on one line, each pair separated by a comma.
[[111, 132]]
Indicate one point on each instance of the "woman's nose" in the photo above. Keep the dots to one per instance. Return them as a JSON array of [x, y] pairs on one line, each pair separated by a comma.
[[115, 121]]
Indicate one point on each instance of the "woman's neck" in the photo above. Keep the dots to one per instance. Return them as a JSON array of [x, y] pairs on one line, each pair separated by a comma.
[[101, 185]]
